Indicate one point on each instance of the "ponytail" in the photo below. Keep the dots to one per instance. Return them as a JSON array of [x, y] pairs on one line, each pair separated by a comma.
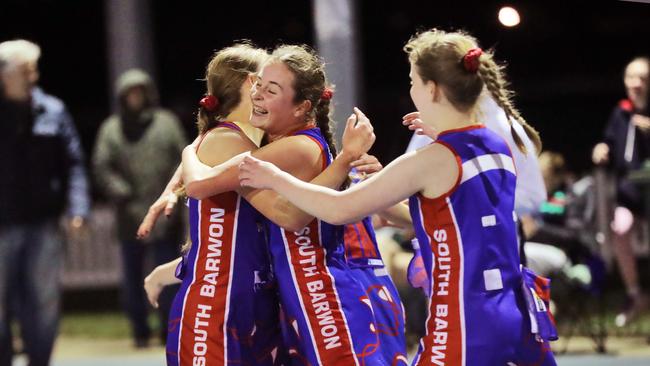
[[323, 121], [492, 76]]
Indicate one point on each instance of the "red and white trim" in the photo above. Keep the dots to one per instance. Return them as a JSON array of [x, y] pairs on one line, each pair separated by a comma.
[[315, 286]]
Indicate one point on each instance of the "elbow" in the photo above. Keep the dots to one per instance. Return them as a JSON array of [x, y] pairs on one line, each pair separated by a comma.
[[341, 216], [337, 221], [293, 224], [292, 227], [297, 225], [339, 213], [337, 217], [193, 190]]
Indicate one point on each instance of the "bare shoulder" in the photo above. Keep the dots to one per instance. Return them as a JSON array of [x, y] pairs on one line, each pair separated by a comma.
[[221, 144], [440, 169], [438, 153]]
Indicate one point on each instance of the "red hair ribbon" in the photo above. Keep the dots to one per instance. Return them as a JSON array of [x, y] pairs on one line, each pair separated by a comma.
[[471, 59], [209, 102], [327, 94]]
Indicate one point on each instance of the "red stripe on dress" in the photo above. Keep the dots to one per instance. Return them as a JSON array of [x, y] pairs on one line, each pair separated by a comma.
[[319, 298], [462, 129], [224, 124], [322, 152], [366, 241], [203, 340], [357, 241], [443, 342]]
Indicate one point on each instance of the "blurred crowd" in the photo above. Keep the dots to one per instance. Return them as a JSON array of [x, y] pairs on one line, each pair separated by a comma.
[[44, 176]]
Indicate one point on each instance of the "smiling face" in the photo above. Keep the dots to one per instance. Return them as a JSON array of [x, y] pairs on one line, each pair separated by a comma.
[[274, 110]]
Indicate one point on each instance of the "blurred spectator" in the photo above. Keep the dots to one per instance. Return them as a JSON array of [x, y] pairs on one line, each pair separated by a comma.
[[42, 169], [558, 235], [137, 150], [626, 147]]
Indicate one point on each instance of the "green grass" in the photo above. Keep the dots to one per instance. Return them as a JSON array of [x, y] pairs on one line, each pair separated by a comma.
[[115, 325], [109, 325]]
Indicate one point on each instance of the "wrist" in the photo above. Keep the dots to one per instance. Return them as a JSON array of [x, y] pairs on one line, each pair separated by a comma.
[[346, 157], [279, 178]]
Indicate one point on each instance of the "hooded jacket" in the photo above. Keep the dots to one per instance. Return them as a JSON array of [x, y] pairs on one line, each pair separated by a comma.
[[135, 155]]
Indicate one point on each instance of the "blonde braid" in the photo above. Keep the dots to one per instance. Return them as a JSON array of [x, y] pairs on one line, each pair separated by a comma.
[[492, 76]]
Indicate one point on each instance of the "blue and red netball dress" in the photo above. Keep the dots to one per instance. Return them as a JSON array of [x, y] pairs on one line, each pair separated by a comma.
[[225, 313], [477, 310], [367, 266], [325, 320]]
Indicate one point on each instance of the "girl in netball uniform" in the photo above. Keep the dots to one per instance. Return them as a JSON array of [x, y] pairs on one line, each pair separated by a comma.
[[326, 316], [203, 328], [462, 200], [226, 311], [365, 261]]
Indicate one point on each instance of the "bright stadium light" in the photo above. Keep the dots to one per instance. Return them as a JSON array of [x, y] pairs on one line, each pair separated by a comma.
[[509, 16]]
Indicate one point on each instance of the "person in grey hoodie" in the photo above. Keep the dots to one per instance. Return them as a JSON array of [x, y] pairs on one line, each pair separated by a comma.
[[137, 150]]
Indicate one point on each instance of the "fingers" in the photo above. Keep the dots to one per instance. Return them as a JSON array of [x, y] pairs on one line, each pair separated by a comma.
[[143, 232], [362, 118], [367, 163], [363, 121], [172, 199], [409, 117], [153, 300], [359, 113], [351, 122], [145, 227], [246, 171], [413, 122], [148, 223], [369, 168], [152, 290], [150, 218], [364, 159]]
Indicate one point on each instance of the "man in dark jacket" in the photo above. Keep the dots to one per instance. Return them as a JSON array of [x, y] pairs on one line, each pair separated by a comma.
[[137, 151], [42, 173], [626, 147]]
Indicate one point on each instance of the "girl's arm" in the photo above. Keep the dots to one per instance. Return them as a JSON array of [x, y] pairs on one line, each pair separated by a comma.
[[203, 181], [282, 212], [297, 155], [161, 276], [305, 162], [432, 171], [165, 202], [399, 215]]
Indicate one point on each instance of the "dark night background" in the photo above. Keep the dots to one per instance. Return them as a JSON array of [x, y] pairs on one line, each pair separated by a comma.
[[565, 59]]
